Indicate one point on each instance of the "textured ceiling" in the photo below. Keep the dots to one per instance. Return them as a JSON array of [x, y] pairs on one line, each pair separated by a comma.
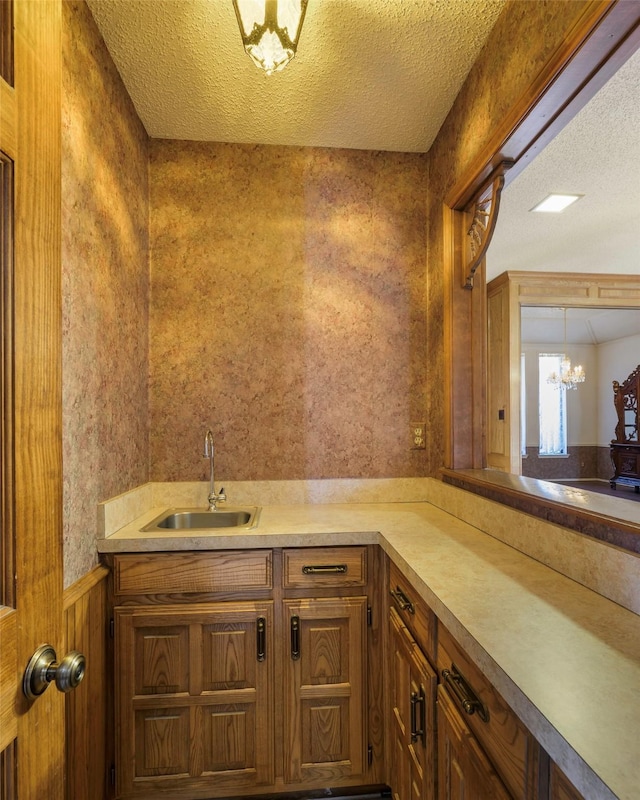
[[596, 155], [369, 74]]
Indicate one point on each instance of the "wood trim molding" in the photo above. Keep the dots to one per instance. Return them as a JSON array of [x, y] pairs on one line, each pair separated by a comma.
[[572, 289], [73, 593], [484, 215], [88, 712], [603, 37]]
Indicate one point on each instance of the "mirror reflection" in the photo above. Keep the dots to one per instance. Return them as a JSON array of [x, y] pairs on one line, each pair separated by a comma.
[[534, 428]]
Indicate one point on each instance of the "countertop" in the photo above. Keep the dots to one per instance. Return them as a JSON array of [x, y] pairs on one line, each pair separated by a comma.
[[565, 658]]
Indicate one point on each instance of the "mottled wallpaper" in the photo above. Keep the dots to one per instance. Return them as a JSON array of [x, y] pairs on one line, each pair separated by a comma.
[[105, 287], [290, 299], [287, 311]]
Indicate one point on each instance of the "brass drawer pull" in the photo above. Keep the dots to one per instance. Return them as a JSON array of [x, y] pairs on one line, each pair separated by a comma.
[[402, 600], [465, 695], [295, 638], [261, 630], [323, 569], [418, 699]]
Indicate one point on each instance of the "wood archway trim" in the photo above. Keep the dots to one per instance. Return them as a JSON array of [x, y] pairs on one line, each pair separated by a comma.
[[603, 38]]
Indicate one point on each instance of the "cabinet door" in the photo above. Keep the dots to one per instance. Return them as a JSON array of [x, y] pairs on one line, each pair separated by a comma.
[[560, 787], [325, 677], [194, 700], [464, 771], [413, 696]]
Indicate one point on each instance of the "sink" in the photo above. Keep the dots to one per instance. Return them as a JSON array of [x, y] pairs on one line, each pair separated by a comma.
[[200, 519]]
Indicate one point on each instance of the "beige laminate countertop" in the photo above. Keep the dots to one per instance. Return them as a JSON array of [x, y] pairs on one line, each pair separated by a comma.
[[565, 658]]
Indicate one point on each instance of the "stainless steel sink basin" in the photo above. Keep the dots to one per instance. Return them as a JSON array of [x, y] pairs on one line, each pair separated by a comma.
[[200, 519]]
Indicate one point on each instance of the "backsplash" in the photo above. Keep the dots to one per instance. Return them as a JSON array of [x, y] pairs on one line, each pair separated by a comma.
[[605, 569]]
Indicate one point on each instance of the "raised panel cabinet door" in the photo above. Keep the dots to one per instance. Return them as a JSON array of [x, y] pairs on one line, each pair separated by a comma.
[[413, 696], [560, 787], [464, 771], [325, 677], [194, 706]]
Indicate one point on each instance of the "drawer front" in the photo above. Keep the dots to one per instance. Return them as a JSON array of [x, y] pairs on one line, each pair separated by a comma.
[[495, 725], [413, 611], [169, 573], [306, 567]]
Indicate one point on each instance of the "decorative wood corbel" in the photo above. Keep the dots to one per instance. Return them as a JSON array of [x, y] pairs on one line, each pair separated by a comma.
[[484, 215]]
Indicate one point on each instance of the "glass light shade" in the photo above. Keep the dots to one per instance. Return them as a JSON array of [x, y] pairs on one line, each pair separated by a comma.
[[270, 30]]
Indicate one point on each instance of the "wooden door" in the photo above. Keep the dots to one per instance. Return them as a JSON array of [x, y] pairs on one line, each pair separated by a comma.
[[325, 690], [195, 698], [31, 734], [413, 694], [464, 771]]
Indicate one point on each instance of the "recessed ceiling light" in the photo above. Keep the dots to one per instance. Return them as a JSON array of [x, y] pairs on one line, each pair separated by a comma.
[[555, 203]]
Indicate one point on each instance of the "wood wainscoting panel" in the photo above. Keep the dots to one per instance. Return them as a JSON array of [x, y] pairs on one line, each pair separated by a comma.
[[88, 708]]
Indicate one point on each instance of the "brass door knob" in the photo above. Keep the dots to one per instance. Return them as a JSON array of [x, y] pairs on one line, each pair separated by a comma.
[[43, 668]]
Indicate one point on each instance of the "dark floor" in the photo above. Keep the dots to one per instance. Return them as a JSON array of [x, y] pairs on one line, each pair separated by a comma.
[[602, 487]]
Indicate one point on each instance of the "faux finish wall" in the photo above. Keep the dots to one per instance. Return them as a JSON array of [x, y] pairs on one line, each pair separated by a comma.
[[288, 311], [105, 286]]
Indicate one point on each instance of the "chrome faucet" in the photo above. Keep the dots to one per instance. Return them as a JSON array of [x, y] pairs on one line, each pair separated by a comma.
[[219, 497]]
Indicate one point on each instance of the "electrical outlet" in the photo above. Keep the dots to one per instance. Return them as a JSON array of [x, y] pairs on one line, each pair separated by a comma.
[[418, 435]]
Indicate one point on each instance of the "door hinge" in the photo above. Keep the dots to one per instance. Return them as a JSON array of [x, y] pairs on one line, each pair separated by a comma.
[[112, 775], [112, 628], [369, 616], [370, 754]]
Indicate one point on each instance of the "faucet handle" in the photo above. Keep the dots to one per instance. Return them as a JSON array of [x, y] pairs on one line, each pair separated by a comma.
[[222, 497]]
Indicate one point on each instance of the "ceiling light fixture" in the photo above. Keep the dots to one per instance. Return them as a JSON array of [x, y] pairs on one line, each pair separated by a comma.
[[569, 377], [270, 30], [555, 203]]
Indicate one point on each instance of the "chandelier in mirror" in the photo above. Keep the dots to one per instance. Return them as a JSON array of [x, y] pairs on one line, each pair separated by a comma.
[[568, 377], [270, 30]]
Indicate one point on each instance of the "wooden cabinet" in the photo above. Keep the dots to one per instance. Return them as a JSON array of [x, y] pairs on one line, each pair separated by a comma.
[[560, 787], [413, 683], [413, 729], [243, 672], [325, 690], [324, 656], [464, 771], [481, 741], [194, 697], [194, 673]]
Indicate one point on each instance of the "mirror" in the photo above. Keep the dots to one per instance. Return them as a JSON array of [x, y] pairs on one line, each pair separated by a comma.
[[602, 341], [531, 254]]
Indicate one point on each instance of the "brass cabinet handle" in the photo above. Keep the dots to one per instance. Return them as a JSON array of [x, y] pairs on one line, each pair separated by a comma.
[[418, 699], [402, 600], [322, 569], [295, 638], [261, 638], [465, 695]]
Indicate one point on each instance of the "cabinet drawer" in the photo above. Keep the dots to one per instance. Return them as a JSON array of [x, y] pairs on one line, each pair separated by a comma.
[[413, 611], [306, 567], [169, 573], [497, 728]]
